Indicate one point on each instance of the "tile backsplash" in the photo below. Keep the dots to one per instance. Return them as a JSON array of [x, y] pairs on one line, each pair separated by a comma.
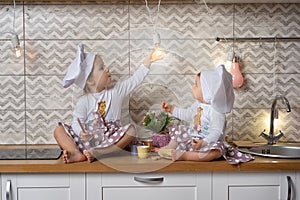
[[33, 99]]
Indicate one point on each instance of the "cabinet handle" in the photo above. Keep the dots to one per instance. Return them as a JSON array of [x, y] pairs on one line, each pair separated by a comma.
[[289, 195], [8, 190], [149, 180]]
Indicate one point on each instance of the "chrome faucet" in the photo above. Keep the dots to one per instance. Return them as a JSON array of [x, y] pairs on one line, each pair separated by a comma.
[[271, 138]]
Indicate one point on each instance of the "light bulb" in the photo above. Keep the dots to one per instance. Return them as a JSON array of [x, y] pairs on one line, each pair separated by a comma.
[[158, 51], [237, 77], [16, 45], [18, 51]]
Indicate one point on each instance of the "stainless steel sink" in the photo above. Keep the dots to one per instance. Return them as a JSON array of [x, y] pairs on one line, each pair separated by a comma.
[[274, 151]]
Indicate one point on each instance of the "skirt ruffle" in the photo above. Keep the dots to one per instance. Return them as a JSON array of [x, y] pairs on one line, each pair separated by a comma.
[[104, 135], [183, 137]]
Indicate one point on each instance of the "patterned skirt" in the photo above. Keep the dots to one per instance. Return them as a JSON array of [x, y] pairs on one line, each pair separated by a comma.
[[102, 136], [181, 134]]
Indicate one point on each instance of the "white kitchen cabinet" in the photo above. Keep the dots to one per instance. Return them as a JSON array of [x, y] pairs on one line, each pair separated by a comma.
[[254, 185], [149, 186], [43, 186], [297, 186]]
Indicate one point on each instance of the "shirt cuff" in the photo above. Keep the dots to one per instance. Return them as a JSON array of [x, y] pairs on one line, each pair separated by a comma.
[[144, 68]]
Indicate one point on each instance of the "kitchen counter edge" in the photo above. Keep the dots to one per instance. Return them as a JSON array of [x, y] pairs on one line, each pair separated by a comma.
[[57, 166]]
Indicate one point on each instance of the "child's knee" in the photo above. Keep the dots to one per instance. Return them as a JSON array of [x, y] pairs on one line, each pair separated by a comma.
[[58, 129], [131, 131]]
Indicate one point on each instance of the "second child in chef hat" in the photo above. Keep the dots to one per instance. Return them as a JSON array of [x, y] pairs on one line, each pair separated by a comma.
[[217, 89], [214, 96]]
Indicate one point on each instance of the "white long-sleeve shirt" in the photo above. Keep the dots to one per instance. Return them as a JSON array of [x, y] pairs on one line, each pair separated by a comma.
[[210, 118], [87, 105]]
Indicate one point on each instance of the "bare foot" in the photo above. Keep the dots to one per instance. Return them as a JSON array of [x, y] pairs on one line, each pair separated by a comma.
[[176, 155], [69, 157], [88, 155]]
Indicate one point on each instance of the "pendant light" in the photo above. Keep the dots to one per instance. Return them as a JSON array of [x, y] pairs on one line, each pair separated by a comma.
[[16, 44], [237, 77], [158, 51], [156, 41]]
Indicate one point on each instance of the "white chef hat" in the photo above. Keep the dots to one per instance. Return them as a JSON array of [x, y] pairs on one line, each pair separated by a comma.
[[217, 88], [79, 69]]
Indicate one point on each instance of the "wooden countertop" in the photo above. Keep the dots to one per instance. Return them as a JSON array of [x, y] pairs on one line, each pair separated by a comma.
[[133, 164], [125, 162]]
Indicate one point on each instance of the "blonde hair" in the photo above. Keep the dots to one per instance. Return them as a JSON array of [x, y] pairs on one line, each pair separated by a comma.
[[86, 89]]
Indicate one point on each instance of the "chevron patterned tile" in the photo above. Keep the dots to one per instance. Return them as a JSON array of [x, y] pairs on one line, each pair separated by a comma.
[[229, 127], [158, 88], [288, 85], [7, 21], [257, 92], [40, 124], [77, 21], [180, 85], [289, 124], [49, 57], [288, 52], [181, 21], [122, 34], [54, 57], [181, 56], [12, 93], [149, 97], [12, 126], [265, 20], [265, 57], [9, 63], [256, 57], [249, 123], [46, 92]]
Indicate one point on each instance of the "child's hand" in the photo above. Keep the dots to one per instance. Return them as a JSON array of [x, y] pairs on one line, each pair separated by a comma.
[[167, 107], [152, 57], [156, 54], [85, 135], [143, 120]]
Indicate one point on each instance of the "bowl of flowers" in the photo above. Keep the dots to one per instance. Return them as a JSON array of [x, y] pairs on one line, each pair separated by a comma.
[[158, 123]]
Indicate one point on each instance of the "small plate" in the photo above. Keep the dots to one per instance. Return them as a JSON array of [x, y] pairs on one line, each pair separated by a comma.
[[165, 153]]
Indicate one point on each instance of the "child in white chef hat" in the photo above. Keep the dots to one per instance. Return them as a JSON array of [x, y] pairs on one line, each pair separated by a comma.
[[100, 107], [214, 96]]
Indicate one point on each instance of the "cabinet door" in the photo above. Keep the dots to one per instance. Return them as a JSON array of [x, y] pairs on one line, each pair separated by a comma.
[[43, 186], [253, 185], [297, 186], [158, 186]]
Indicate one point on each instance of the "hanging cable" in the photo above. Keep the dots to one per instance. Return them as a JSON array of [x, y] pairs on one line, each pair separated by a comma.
[[154, 23], [211, 17], [14, 20], [275, 68], [15, 38]]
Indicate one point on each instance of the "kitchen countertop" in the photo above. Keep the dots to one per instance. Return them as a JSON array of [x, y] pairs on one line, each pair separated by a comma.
[[133, 164], [123, 161]]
